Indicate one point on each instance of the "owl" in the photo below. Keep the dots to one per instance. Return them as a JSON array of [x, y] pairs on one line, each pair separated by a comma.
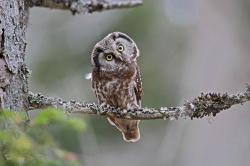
[[116, 80]]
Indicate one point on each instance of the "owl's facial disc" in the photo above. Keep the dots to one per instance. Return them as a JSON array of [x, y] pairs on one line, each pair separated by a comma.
[[103, 60], [125, 46]]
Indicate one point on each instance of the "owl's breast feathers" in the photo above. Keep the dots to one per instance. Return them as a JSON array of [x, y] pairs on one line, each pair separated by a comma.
[[120, 89]]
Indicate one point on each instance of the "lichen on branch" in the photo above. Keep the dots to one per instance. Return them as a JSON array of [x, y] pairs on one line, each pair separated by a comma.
[[209, 104], [85, 6]]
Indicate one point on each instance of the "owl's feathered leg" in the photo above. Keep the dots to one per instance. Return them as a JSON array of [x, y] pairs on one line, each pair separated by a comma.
[[129, 128]]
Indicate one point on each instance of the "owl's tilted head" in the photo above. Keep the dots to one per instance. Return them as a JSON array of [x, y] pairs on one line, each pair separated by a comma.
[[113, 52]]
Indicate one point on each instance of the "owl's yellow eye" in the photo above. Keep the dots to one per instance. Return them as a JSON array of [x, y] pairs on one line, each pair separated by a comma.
[[120, 48], [109, 57]]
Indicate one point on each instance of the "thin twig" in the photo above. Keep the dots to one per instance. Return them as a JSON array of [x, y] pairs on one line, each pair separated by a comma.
[[83, 6], [204, 105]]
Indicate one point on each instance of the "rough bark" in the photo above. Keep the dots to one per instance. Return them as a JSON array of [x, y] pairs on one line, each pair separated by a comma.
[[205, 105], [13, 71]]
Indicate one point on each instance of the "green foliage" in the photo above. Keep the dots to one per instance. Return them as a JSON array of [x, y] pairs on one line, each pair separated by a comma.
[[40, 143]]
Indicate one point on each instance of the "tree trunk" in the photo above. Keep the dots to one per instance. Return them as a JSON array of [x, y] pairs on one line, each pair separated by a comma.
[[13, 71]]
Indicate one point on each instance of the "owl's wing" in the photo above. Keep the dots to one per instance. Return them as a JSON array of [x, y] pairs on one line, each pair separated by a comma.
[[138, 86]]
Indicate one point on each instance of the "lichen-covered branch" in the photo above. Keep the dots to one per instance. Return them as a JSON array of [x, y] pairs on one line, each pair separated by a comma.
[[204, 105], [85, 6]]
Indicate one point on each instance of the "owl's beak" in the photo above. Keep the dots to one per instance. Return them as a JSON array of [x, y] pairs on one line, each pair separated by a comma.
[[120, 57]]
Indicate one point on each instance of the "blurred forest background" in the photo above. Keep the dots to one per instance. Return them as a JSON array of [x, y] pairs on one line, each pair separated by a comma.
[[187, 47]]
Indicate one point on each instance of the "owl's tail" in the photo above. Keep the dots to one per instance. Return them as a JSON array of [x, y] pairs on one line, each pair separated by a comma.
[[131, 135], [129, 128]]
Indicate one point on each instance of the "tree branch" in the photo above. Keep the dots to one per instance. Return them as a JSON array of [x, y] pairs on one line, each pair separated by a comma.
[[85, 6], [204, 105]]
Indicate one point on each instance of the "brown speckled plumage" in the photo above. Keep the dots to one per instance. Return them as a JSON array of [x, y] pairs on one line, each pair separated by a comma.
[[117, 82]]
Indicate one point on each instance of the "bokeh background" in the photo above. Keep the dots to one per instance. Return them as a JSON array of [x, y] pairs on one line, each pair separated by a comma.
[[187, 47]]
